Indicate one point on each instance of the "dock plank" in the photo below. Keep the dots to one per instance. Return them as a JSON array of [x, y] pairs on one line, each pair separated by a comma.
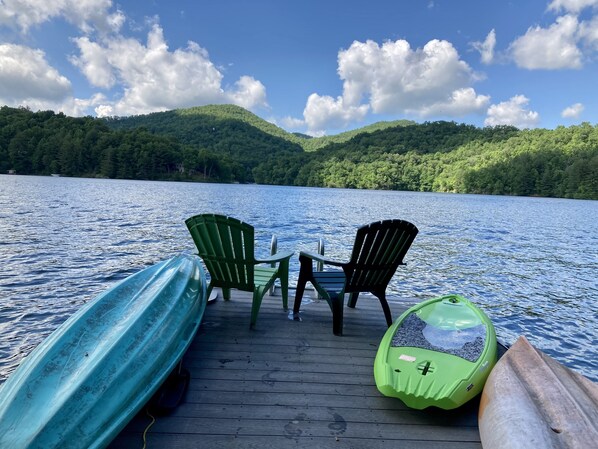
[[294, 384]]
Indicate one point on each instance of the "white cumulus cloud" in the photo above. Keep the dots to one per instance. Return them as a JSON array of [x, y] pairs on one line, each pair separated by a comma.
[[322, 112], [573, 112], [460, 103], [588, 33], [554, 47], [28, 80], [139, 77], [88, 15], [248, 93], [513, 112], [94, 63], [393, 78], [290, 123], [154, 78], [25, 74], [573, 6], [486, 48]]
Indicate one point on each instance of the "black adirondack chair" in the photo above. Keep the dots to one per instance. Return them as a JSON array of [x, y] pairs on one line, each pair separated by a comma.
[[378, 250]]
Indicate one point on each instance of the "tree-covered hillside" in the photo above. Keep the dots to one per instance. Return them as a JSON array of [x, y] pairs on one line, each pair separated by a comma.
[[447, 157], [208, 150], [44, 142], [191, 125], [229, 144]]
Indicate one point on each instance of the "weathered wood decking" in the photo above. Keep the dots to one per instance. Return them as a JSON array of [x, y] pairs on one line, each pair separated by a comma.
[[294, 384]]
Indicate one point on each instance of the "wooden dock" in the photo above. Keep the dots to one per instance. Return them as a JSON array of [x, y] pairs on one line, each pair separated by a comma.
[[289, 384]]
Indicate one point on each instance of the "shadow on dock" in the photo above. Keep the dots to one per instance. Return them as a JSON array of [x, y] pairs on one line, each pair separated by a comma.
[[294, 384]]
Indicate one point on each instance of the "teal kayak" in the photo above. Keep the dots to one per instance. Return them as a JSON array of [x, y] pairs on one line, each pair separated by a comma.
[[85, 382], [438, 353]]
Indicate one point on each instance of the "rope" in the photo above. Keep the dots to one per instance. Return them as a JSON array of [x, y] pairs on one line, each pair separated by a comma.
[[148, 427]]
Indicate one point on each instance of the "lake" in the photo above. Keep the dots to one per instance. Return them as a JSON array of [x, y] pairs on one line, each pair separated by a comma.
[[530, 263]]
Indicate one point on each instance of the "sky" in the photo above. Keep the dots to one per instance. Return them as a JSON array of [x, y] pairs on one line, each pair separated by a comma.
[[318, 67]]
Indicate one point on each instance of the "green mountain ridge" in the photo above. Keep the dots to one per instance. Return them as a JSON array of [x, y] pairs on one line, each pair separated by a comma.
[[226, 143], [226, 112], [233, 112], [308, 143]]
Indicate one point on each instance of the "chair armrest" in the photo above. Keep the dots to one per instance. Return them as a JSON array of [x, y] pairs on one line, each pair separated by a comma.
[[276, 257], [320, 258]]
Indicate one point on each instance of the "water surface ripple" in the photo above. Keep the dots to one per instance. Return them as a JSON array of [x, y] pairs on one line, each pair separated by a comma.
[[530, 263]]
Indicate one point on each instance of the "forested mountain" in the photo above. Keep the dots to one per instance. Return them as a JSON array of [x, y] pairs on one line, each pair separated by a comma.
[[228, 144], [206, 124], [225, 136], [197, 125], [446, 157]]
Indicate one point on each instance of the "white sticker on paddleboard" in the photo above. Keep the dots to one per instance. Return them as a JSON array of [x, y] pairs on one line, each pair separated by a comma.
[[407, 358]]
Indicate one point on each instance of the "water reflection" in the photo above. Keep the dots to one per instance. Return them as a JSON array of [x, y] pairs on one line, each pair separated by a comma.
[[530, 263]]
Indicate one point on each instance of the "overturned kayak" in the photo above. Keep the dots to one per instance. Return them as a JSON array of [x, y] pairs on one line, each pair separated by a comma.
[[438, 353], [84, 383], [531, 400]]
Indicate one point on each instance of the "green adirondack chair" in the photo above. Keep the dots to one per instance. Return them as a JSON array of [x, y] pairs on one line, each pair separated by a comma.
[[226, 245], [378, 250]]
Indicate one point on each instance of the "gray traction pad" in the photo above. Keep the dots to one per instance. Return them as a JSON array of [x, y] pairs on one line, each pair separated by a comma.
[[411, 333]]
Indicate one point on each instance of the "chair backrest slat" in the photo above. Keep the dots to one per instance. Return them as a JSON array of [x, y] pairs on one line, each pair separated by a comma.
[[378, 251], [226, 245]]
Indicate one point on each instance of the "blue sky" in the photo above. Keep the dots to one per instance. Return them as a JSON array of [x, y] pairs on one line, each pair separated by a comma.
[[318, 67]]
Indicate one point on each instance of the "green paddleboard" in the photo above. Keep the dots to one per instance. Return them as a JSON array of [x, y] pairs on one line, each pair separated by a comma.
[[438, 353]]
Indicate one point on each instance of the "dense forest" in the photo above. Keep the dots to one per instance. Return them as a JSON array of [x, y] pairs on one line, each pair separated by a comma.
[[229, 144]]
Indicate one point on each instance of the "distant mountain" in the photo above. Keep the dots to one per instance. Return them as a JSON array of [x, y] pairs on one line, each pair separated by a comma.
[[202, 117], [231, 134], [230, 144], [232, 112], [320, 142]]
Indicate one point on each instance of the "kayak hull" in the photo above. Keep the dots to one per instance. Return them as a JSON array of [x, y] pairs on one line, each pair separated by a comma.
[[531, 400], [438, 353], [84, 383]]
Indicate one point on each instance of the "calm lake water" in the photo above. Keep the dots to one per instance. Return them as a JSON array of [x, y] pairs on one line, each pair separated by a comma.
[[530, 263]]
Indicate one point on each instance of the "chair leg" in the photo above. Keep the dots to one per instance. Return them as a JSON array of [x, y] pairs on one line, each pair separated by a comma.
[[385, 307], [283, 272], [336, 305], [226, 293], [353, 300], [258, 295], [305, 274], [298, 297], [209, 290]]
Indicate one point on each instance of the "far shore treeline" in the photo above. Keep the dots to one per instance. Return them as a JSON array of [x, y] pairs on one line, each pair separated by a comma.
[[226, 143]]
